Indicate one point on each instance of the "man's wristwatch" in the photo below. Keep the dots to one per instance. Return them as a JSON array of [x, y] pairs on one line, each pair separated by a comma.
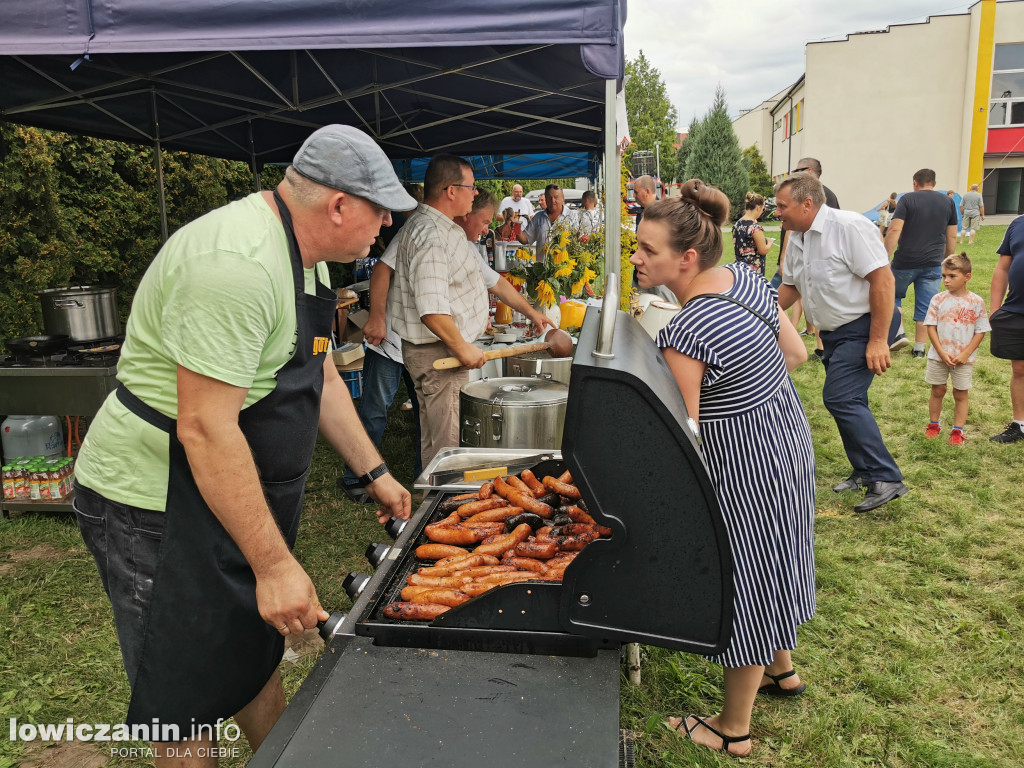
[[374, 473]]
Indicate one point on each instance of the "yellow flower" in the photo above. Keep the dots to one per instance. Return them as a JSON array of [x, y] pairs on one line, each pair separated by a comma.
[[545, 294], [577, 287], [565, 270], [525, 254], [515, 280], [589, 275], [563, 239], [558, 256]]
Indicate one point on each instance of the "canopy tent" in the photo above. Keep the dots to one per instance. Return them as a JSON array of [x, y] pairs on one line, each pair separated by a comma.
[[249, 80], [561, 165]]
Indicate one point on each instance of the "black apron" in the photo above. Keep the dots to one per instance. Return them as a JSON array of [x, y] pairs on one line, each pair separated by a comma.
[[206, 652]]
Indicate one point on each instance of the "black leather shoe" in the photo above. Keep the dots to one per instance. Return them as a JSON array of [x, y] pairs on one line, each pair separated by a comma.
[[879, 494], [852, 483]]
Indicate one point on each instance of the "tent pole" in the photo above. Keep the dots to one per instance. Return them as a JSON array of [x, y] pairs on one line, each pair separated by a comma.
[[256, 181], [612, 234], [159, 165]]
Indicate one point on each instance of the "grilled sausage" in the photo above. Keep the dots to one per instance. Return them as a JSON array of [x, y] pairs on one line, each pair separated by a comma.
[[475, 588], [408, 593], [541, 550], [494, 515], [501, 487], [532, 520], [578, 515], [551, 499], [449, 597], [519, 485], [575, 542], [414, 611], [487, 560], [485, 570], [470, 509], [526, 564], [499, 579], [533, 483], [453, 534], [447, 570], [565, 477], [530, 504], [450, 505], [415, 580], [502, 543], [485, 491], [438, 551], [563, 489]]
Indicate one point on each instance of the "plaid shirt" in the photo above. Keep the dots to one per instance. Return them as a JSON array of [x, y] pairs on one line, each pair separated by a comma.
[[539, 229], [437, 273]]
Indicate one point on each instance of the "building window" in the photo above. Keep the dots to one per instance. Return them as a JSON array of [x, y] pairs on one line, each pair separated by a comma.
[[1007, 93], [1003, 191]]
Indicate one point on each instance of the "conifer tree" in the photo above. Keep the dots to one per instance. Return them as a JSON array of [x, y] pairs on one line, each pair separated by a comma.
[[715, 156]]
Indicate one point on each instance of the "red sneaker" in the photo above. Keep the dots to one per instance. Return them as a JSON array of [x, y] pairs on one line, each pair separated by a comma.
[[933, 429], [956, 437]]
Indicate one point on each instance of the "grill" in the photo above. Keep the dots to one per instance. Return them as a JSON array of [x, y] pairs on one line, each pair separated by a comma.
[[663, 578]]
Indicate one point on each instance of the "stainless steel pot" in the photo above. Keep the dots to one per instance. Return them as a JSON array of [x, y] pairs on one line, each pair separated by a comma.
[[540, 365], [83, 312], [513, 412]]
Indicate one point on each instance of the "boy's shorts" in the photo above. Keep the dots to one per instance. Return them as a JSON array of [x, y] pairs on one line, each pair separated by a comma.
[[938, 373]]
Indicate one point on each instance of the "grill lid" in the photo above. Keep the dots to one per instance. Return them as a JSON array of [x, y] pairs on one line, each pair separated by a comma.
[[665, 576]]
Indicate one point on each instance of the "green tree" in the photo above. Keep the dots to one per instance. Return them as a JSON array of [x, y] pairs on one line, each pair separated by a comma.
[[757, 170], [652, 118], [715, 155], [684, 149]]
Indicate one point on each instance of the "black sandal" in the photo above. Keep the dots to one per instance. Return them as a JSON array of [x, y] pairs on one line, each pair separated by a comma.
[[774, 689], [726, 740]]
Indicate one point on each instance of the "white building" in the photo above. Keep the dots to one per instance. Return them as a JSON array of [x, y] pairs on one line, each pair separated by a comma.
[[873, 108]]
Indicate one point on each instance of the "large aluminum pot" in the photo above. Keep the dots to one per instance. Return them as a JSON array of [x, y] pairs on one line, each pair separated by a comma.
[[83, 312], [540, 365], [513, 412]]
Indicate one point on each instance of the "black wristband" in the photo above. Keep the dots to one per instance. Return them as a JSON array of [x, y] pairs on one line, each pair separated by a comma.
[[374, 473]]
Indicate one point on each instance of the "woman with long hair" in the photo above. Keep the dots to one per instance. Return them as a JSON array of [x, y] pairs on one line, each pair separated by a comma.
[[749, 243], [730, 350]]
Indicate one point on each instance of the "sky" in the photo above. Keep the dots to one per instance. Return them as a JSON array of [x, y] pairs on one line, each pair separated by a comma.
[[753, 48]]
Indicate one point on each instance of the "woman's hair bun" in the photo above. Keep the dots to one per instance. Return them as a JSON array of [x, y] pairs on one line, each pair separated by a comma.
[[707, 200]]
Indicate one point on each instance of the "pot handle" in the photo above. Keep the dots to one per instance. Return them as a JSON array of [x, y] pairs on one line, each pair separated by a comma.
[[68, 303]]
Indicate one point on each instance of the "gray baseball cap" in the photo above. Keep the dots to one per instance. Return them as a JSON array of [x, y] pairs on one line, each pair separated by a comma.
[[344, 158]]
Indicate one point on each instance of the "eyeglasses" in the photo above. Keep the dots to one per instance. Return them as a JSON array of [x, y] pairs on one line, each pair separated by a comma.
[[466, 186], [801, 170]]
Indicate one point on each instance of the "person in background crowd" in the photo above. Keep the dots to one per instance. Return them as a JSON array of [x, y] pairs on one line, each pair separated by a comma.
[[590, 217], [731, 344], [190, 482], [438, 302], [853, 304], [1006, 317], [542, 203], [959, 215], [812, 166], [383, 368], [972, 208], [885, 212], [956, 323], [921, 235], [749, 243], [556, 215], [521, 207], [510, 227], [645, 191], [475, 224]]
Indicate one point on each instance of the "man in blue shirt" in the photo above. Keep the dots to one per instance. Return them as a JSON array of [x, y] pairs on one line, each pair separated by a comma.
[[1006, 316]]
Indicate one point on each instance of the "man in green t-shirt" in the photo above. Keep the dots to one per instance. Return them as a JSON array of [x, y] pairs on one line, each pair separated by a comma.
[[190, 482]]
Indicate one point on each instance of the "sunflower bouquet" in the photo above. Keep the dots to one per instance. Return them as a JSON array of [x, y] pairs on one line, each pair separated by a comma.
[[569, 270]]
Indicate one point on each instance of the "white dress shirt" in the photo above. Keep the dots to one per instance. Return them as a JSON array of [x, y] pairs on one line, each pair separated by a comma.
[[827, 264], [523, 207], [538, 231]]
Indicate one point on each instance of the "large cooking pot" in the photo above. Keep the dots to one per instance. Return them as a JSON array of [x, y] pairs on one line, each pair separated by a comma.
[[540, 365], [83, 312], [512, 412]]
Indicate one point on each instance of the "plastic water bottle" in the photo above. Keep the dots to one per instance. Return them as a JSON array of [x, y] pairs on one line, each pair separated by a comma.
[[32, 436]]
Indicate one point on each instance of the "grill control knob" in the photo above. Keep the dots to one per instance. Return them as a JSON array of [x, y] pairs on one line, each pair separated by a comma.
[[354, 584], [395, 526], [328, 629], [376, 553]]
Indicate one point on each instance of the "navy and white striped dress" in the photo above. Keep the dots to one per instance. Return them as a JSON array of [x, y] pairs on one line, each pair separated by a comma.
[[757, 445]]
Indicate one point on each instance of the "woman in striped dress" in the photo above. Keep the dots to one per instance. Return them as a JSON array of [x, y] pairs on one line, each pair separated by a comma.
[[730, 349]]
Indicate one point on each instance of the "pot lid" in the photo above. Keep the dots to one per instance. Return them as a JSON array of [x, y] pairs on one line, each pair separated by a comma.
[[76, 289], [518, 390], [542, 355]]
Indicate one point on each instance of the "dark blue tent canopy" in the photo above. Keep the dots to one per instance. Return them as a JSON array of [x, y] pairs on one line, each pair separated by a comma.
[[249, 79]]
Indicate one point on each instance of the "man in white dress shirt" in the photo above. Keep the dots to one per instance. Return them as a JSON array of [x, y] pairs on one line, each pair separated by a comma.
[[837, 264]]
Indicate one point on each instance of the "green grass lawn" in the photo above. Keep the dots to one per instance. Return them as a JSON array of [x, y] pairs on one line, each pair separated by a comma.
[[914, 658]]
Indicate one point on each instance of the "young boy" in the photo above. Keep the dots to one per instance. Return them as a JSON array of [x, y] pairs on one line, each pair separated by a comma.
[[957, 322]]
